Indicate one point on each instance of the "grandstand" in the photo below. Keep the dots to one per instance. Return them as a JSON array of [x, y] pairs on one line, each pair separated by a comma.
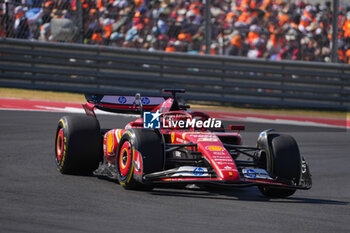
[[269, 29]]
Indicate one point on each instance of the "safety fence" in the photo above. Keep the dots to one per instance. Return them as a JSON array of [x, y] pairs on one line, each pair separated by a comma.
[[217, 79]]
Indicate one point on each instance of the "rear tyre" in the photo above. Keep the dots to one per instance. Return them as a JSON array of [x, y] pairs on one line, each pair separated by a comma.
[[283, 162], [149, 144], [78, 147]]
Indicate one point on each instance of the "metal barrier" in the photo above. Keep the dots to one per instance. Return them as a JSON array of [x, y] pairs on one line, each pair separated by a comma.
[[97, 69]]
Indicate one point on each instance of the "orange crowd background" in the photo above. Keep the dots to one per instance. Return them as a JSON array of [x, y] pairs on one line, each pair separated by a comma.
[[270, 29]]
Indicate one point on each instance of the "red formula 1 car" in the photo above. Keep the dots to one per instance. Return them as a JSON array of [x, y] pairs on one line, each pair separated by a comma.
[[167, 145]]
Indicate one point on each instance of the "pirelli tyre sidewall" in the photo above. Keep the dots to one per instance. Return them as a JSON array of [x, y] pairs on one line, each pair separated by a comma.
[[147, 142], [78, 144]]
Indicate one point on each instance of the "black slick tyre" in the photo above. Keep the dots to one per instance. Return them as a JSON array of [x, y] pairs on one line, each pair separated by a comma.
[[148, 143], [78, 148], [284, 163]]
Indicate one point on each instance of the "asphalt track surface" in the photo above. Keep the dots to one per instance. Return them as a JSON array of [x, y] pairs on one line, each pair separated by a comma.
[[35, 197]]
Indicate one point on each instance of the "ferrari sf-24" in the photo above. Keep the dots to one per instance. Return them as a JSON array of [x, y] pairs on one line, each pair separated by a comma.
[[141, 156]]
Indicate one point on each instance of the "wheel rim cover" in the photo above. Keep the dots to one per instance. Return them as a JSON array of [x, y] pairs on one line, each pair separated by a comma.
[[59, 145], [125, 158]]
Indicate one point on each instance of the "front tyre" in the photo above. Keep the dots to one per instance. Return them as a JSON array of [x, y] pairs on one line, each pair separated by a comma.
[[283, 161], [78, 147], [148, 144], [125, 165]]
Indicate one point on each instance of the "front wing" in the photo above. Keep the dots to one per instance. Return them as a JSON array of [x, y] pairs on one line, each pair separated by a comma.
[[203, 175]]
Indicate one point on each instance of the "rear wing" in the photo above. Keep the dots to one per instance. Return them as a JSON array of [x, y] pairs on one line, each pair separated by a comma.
[[121, 103]]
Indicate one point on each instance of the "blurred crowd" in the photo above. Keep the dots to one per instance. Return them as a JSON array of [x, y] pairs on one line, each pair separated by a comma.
[[270, 29]]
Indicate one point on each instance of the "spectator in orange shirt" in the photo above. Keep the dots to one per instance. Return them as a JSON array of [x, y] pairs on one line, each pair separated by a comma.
[[346, 26]]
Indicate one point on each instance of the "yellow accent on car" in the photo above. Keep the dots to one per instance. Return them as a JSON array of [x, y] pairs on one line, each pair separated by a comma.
[[61, 120], [128, 132], [119, 133], [110, 143], [215, 148], [132, 165]]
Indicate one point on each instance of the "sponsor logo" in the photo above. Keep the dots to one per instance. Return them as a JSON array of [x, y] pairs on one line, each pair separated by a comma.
[[122, 99], [214, 148], [151, 120], [172, 137], [227, 160], [207, 140], [145, 100], [256, 174], [303, 167], [180, 140], [219, 157], [110, 143], [219, 153], [198, 171], [202, 135]]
